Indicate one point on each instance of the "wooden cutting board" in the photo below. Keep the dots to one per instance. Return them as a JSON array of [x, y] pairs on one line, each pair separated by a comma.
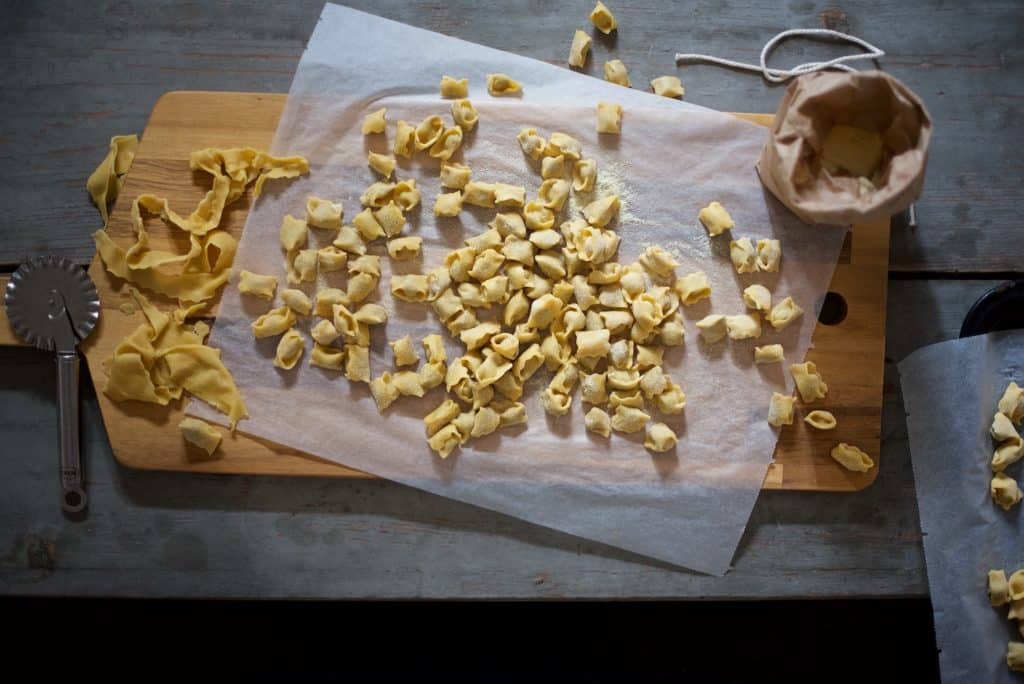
[[849, 353]]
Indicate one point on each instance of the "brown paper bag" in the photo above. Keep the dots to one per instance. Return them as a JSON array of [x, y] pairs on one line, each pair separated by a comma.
[[791, 166]]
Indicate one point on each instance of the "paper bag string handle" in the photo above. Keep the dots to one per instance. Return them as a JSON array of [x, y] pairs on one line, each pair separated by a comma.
[[782, 75]]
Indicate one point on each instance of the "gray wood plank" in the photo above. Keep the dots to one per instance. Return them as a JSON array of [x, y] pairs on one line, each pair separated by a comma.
[[77, 73], [153, 534]]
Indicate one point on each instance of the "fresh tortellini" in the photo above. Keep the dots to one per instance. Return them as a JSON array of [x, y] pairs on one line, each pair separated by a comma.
[[298, 301], [410, 288], [262, 286], [712, 328], [851, 457], [743, 255], [743, 326], [321, 213], [405, 139], [382, 164], [404, 249], [503, 84], [293, 234], [615, 72], [602, 18], [715, 219], [609, 117], [289, 349], [668, 86], [601, 211], [784, 313], [1005, 491], [404, 351], [692, 288], [584, 175], [769, 254], [628, 419], [809, 382], [780, 409], [769, 353], [1011, 404], [758, 298], [201, 434], [580, 49], [448, 204], [454, 87], [660, 437], [464, 114], [998, 588], [274, 322], [375, 122], [821, 420]]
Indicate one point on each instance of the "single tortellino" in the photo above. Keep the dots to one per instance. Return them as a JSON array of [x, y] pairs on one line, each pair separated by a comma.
[[715, 219], [1016, 585], [780, 410], [654, 382], [602, 18], [712, 328], [851, 457], [537, 216], [289, 349], [409, 288], [743, 255], [274, 322], [668, 86], [444, 441], [615, 72], [384, 391], [448, 204], [428, 132], [464, 114], [565, 145], [357, 363], [1007, 453], [381, 163], [1002, 429], [821, 420], [769, 253], [405, 139], [503, 84], [302, 267], [377, 194], [454, 87], [446, 145], [330, 259], [692, 287], [262, 286], [297, 301], [592, 343], [584, 175], [769, 353], [628, 419], [784, 313], [658, 261], [580, 49], [601, 211], [404, 351], [293, 233], [758, 298], [532, 143], [455, 175], [660, 437], [324, 332], [445, 412], [554, 402], [200, 434], [368, 226], [743, 326], [998, 589], [321, 213], [1011, 404], [553, 193], [598, 421], [1015, 656], [479, 194], [326, 299], [375, 122], [404, 249], [1005, 491], [808, 381], [609, 117], [509, 196], [390, 218]]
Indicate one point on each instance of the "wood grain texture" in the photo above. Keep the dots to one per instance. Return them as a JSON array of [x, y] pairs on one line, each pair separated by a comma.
[[850, 354], [79, 73], [156, 534]]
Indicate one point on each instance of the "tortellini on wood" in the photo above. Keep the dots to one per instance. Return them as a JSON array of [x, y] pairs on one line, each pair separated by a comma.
[[580, 49], [668, 86], [851, 457], [821, 420], [715, 219], [609, 118], [454, 87], [809, 382], [615, 72], [503, 84], [262, 286], [375, 122]]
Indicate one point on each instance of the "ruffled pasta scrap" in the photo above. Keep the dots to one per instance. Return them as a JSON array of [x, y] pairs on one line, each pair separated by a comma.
[[105, 182], [164, 357]]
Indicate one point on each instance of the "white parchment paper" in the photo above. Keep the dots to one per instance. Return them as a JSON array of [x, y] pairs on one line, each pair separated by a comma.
[[687, 507], [950, 391]]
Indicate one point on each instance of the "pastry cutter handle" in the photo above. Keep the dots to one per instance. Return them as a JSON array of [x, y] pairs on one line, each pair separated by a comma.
[[73, 497]]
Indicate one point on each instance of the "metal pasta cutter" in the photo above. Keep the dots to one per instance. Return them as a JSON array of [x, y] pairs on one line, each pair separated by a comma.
[[53, 305]]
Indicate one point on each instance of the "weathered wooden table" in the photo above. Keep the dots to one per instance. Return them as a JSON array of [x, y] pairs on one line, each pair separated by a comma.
[[75, 74]]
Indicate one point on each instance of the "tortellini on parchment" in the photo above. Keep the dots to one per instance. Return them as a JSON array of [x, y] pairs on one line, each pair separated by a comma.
[[464, 114], [780, 409], [609, 117], [715, 219], [454, 87], [1005, 491], [375, 122], [769, 353], [322, 213], [503, 84], [660, 437], [262, 286]]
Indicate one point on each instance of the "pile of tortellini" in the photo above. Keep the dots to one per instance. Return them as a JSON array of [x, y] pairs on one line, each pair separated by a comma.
[[1009, 446], [537, 288], [1001, 592]]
